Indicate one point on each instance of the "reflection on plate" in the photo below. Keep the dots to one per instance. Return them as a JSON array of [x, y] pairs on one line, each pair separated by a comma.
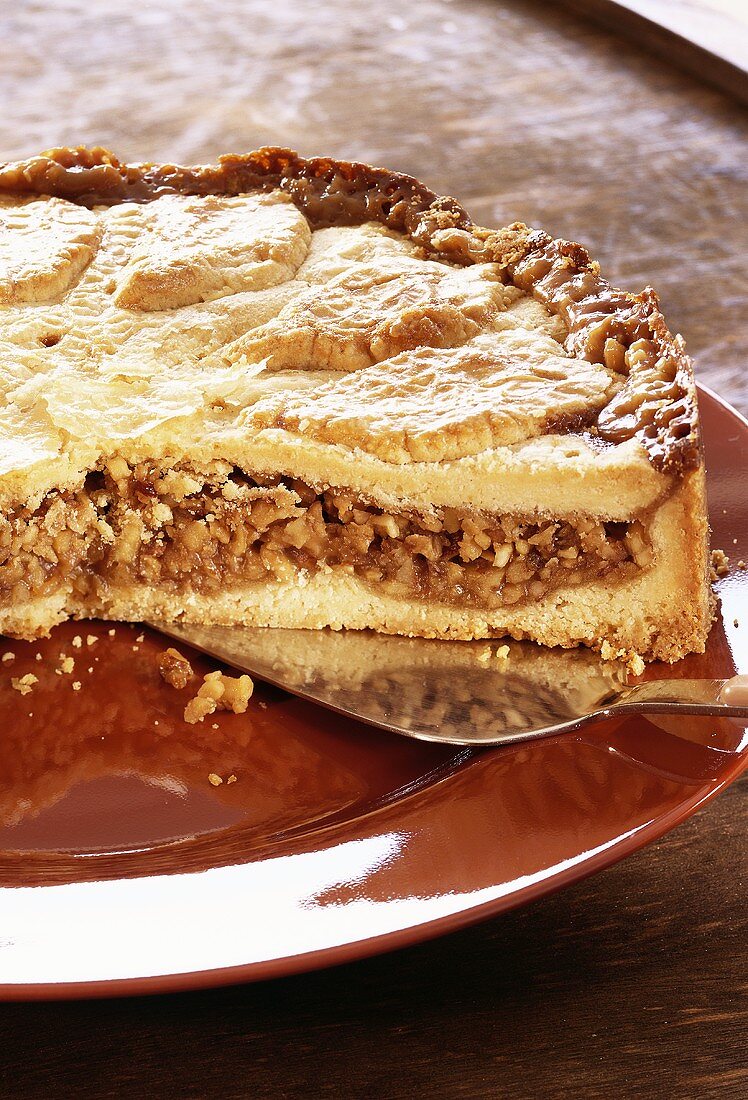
[[114, 766], [460, 691]]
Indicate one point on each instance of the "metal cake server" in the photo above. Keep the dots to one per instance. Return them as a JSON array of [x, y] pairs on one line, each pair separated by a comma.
[[460, 693]]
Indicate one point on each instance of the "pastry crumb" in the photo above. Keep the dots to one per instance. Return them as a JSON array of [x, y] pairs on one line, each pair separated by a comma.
[[742, 565], [219, 692], [140, 638], [636, 665], [231, 778], [608, 653], [24, 684], [633, 661], [214, 780], [175, 669], [262, 704], [77, 641], [77, 685], [38, 657], [67, 664], [91, 639], [111, 632], [8, 657], [487, 654], [720, 563]]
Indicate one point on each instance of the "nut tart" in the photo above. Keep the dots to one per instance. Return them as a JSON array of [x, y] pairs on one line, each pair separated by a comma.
[[310, 393]]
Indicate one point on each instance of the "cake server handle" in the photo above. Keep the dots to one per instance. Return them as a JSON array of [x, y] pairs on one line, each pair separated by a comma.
[[725, 698]]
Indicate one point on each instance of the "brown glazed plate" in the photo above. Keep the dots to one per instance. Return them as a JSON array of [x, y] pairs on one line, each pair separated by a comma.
[[123, 870]]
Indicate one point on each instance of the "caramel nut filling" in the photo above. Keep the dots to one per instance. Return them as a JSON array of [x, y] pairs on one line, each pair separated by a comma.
[[183, 529]]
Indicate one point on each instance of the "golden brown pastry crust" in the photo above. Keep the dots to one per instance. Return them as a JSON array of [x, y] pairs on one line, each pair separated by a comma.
[[625, 332]]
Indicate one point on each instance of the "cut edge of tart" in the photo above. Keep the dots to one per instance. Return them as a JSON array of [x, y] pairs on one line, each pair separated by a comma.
[[310, 393]]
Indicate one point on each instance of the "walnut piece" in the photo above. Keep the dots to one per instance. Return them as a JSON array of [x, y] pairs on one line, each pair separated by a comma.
[[219, 692], [24, 684], [174, 668]]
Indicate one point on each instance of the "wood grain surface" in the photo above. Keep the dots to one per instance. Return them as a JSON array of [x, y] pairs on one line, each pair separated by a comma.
[[635, 983], [706, 38]]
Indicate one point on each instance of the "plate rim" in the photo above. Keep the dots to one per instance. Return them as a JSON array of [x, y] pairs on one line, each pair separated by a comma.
[[401, 938]]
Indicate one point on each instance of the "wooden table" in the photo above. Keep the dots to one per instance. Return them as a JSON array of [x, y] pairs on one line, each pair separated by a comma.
[[633, 983]]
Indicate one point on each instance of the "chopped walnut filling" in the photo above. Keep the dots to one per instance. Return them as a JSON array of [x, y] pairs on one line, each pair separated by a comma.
[[212, 531]]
